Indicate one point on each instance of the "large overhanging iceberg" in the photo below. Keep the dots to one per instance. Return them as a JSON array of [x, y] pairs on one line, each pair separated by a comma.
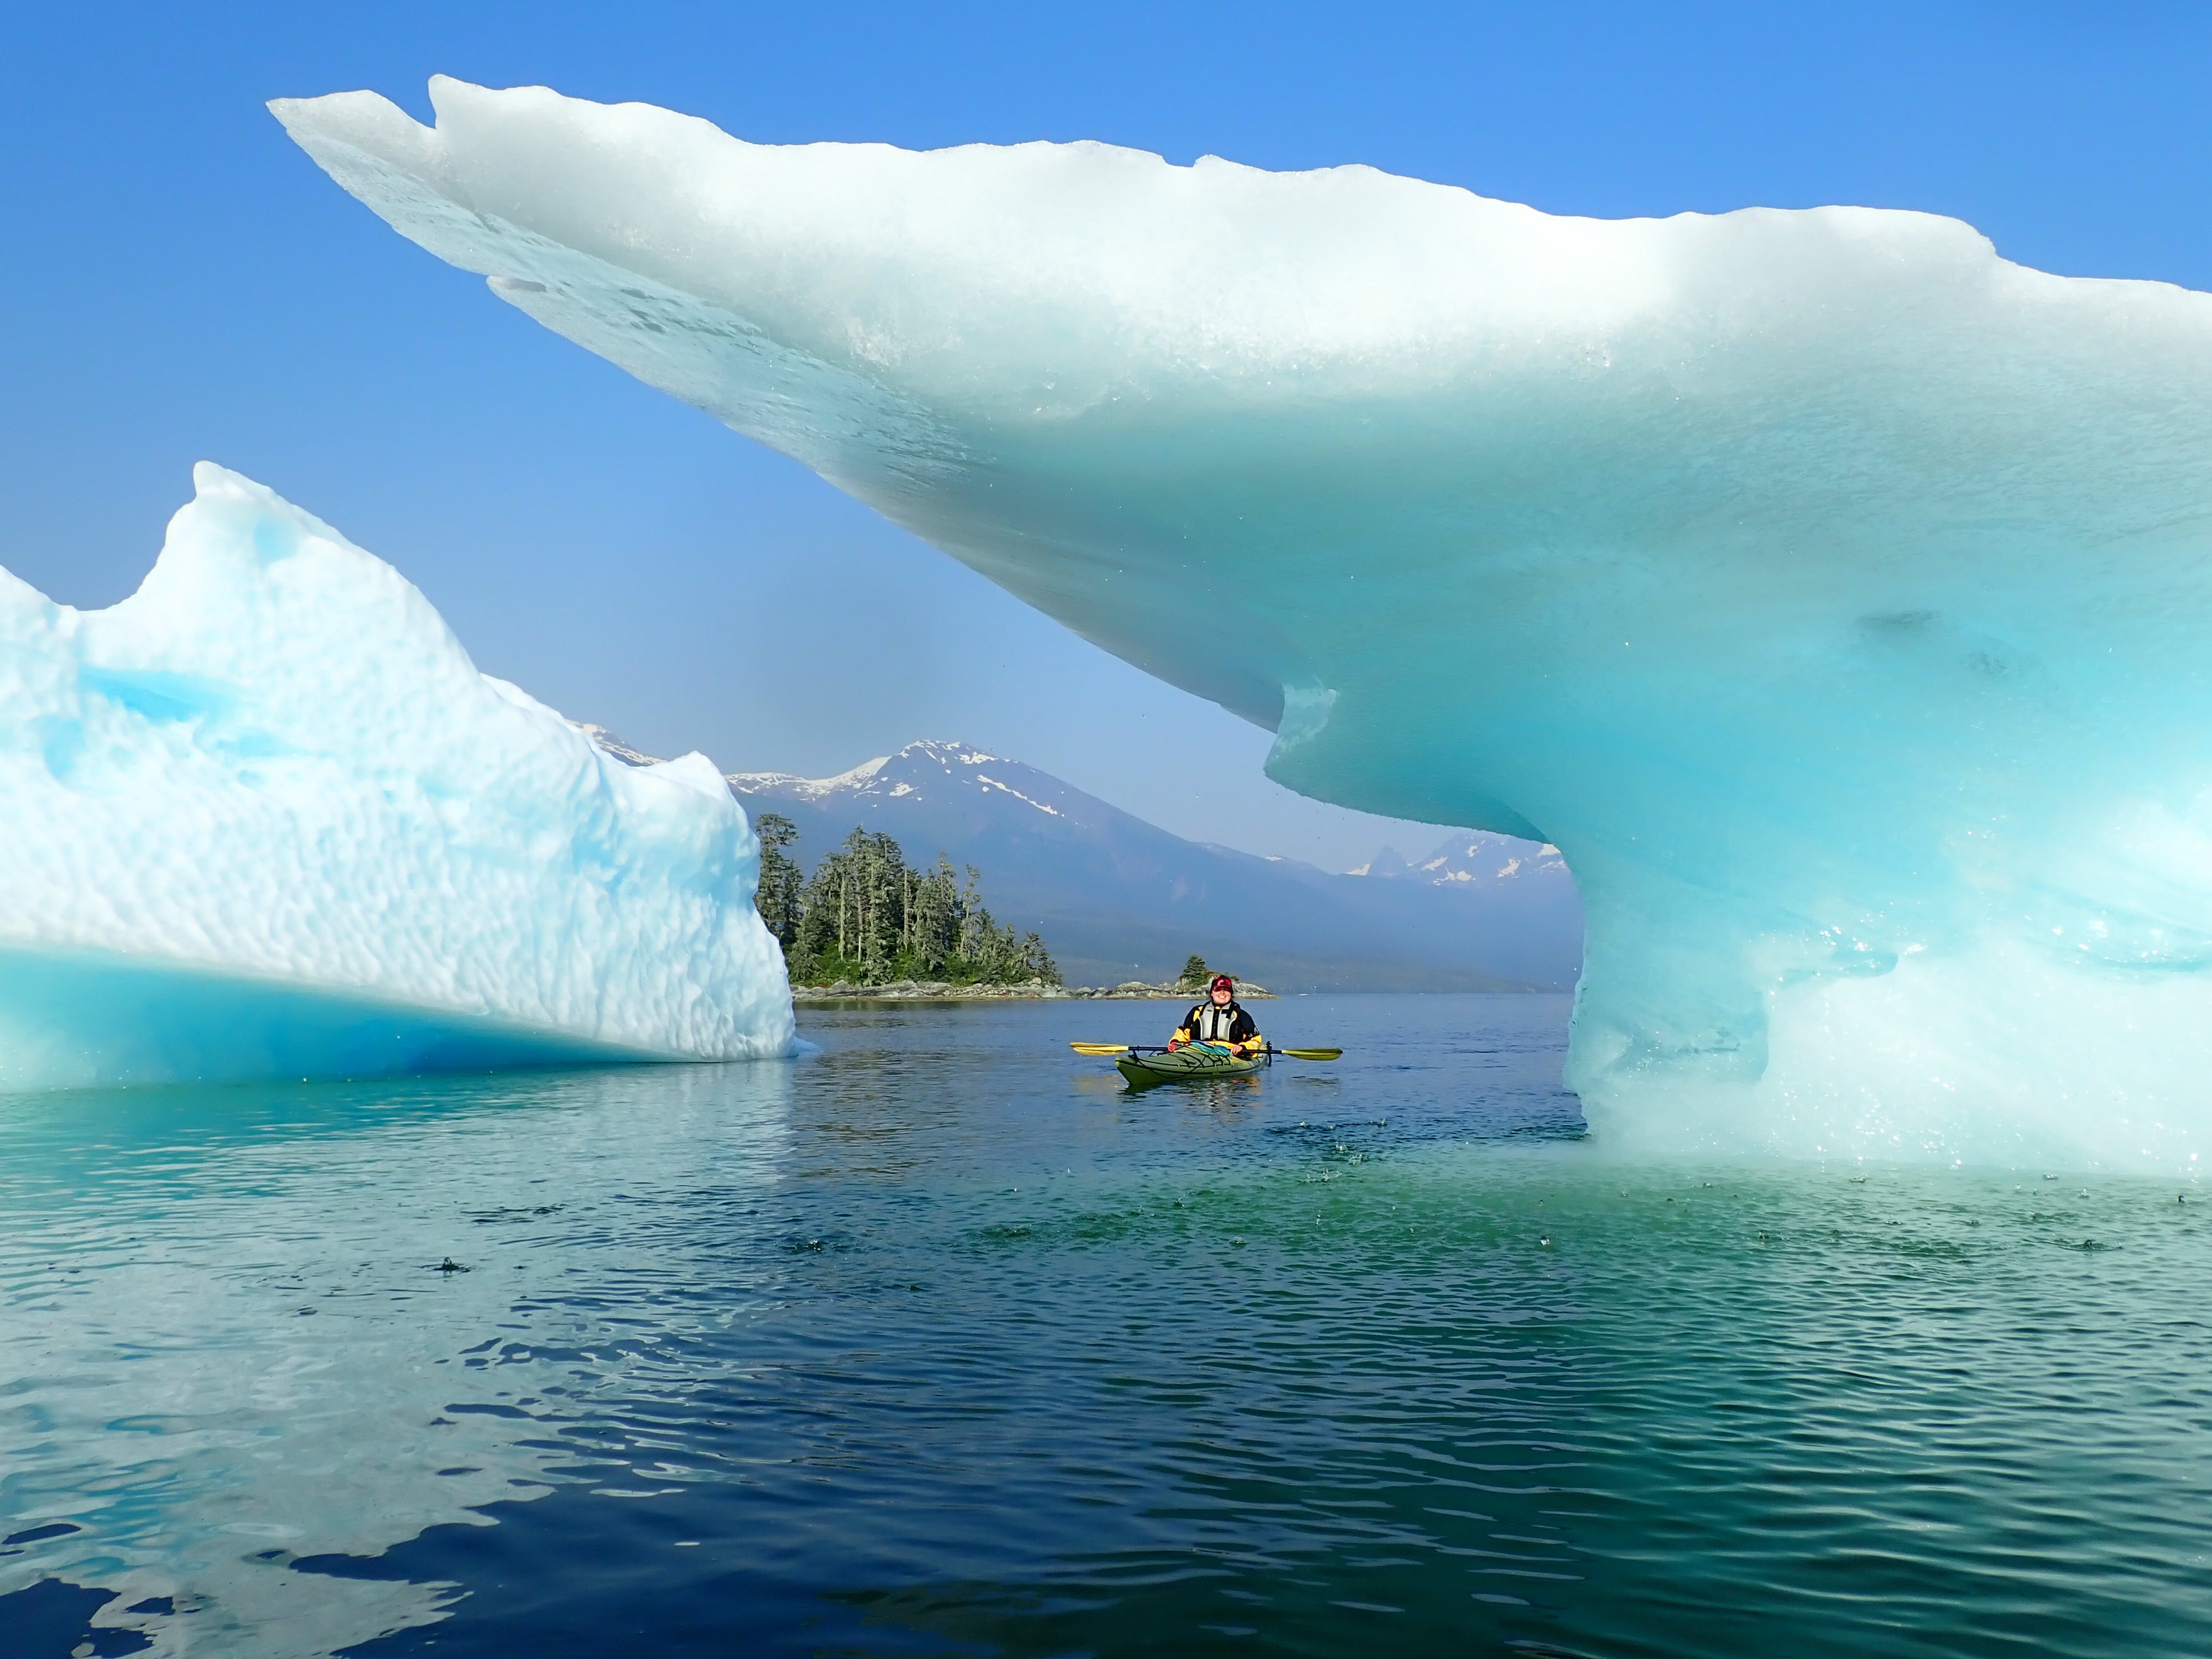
[[264, 818], [1834, 592]]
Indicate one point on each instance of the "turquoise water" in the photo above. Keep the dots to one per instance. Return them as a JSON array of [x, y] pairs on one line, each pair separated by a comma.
[[940, 1342]]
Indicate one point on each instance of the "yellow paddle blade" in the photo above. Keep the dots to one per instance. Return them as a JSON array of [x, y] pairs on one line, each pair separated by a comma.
[[1312, 1054], [1100, 1048]]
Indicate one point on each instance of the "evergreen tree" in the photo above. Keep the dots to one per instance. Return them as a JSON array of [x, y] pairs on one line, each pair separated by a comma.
[[867, 916], [776, 898], [934, 918], [1194, 971]]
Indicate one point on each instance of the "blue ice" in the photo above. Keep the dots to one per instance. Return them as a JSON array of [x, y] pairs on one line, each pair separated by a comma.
[[1831, 591], [265, 819]]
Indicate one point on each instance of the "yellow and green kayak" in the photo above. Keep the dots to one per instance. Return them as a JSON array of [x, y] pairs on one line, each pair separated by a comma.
[[1191, 1063]]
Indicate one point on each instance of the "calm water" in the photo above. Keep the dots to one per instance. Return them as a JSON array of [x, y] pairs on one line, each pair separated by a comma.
[[941, 1343]]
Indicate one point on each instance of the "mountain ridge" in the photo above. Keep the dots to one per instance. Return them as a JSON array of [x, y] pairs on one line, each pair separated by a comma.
[[1118, 898]]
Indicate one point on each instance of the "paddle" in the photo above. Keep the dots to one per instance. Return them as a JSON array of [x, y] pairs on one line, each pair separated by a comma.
[[1158, 1048]]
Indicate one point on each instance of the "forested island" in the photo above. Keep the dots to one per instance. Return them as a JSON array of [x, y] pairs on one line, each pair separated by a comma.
[[866, 916]]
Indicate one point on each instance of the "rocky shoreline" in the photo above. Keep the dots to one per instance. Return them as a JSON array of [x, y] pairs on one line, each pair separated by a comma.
[[911, 990]]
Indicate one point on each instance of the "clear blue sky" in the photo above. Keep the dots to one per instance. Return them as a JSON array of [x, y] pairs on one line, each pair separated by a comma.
[[180, 283]]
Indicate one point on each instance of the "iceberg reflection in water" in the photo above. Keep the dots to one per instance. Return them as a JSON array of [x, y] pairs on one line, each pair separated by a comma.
[[233, 1344], [942, 1341]]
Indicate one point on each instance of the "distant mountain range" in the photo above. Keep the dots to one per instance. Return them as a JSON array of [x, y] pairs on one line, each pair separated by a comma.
[[1472, 857], [1117, 898]]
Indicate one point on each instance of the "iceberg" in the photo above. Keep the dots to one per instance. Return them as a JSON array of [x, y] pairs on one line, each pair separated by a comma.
[[264, 818], [1829, 590]]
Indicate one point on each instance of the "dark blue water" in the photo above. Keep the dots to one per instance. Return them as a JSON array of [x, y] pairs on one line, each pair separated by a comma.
[[941, 1342]]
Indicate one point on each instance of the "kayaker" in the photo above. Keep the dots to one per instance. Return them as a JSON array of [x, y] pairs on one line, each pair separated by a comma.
[[1222, 1019]]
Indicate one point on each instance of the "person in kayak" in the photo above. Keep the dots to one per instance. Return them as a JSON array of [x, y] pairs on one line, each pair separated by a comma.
[[1221, 1019]]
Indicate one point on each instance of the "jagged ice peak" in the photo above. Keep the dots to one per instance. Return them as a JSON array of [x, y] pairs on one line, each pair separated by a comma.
[[265, 818]]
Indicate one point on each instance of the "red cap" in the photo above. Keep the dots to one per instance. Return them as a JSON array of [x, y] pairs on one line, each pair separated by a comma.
[[1223, 982]]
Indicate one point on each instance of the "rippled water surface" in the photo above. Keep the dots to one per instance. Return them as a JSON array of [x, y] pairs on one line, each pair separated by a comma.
[[941, 1342]]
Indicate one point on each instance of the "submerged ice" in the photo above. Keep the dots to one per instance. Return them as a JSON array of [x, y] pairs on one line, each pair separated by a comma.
[[1830, 590], [264, 818]]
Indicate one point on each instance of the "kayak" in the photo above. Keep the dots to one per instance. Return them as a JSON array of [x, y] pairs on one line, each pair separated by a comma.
[[1186, 1065]]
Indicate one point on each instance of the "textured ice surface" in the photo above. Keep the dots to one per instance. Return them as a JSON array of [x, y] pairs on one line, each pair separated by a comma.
[[264, 818], [1831, 592]]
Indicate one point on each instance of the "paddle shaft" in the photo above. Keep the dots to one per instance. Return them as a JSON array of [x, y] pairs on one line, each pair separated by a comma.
[[1161, 1048]]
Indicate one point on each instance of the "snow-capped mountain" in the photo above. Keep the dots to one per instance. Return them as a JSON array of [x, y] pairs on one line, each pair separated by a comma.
[[608, 742], [1473, 857], [953, 767], [1119, 898]]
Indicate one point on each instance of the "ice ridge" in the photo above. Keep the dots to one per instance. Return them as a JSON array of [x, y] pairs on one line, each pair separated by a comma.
[[1831, 592], [265, 818]]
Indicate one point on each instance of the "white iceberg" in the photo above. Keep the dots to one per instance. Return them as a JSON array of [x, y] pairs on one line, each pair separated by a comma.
[[1831, 592], [264, 818]]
